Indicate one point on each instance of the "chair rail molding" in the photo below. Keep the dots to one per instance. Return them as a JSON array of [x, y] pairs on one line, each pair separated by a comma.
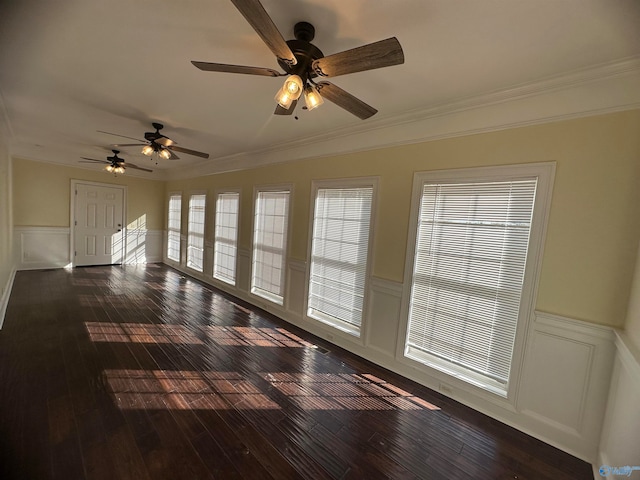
[[49, 247], [564, 381]]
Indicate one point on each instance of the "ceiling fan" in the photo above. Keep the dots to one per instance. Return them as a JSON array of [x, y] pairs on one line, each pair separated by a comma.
[[303, 62], [155, 142], [115, 164]]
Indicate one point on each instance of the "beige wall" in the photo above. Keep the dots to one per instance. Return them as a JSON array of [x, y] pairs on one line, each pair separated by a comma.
[[593, 231], [592, 239], [41, 195]]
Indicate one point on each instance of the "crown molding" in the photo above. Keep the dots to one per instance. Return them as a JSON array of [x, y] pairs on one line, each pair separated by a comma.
[[605, 88]]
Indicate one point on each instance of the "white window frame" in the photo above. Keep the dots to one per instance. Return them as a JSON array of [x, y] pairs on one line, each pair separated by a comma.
[[544, 172], [277, 298], [337, 326], [173, 230], [191, 234], [215, 236]]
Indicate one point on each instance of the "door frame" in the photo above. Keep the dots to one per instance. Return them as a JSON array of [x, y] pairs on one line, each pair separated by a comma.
[[72, 216]]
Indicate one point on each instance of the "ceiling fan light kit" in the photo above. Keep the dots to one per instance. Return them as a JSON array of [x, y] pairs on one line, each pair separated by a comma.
[[147, 150], [302, 61], [164, 153], [312, 98], [118, 169], [155, 142], [115, 164]]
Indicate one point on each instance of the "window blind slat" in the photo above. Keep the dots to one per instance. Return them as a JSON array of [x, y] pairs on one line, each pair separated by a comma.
[[173, 227], [195, 234], [468, 273], [226, 237], [270, 227], [339, 251]]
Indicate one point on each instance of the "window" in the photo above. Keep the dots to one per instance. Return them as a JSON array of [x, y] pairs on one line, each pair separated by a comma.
[[339, 254], [173, 227], [195, 239], [269, 244], [226, 237], [469, 273]]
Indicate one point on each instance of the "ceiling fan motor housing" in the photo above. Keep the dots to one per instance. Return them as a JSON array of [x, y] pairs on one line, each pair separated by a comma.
[[304, 51]]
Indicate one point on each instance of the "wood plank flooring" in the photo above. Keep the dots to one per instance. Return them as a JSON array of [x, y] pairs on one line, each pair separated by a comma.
[[139, 372]]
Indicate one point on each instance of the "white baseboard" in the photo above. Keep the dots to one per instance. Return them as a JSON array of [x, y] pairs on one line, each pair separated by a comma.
[[4, 299], [39, 248], [562, 406]]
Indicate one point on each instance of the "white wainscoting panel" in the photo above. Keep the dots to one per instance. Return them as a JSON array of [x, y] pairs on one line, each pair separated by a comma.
[[385, 297], [620, 440], [565, 376], [243, 275], [295, 287], [41, 247], [49, 247], [565, 381], [144, 246]]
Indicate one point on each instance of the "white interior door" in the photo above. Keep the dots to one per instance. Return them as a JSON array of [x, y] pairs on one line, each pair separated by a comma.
[[98, 224]]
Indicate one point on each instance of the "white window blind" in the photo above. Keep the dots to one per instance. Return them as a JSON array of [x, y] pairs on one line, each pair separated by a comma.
[[173, 227], [195, 238], [226, 237], [339, 252], [469, 266], [269, 244]]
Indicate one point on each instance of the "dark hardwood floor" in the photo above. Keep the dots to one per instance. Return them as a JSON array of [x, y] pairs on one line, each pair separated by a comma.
[[142, 373]]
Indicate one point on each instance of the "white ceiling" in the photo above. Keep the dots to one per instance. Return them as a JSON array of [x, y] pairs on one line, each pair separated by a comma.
[[69, 68]]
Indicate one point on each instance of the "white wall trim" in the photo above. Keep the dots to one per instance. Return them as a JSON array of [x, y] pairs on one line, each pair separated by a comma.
[[565, 382], [577, 385], [628, 355], [143, 246], [383, 285], [385, 297], [606, 88], [4, 300], [575, 326], [37, 248], [618, 444]]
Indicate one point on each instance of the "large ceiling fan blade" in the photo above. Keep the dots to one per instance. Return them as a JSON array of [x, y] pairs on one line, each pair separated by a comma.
[[286, 111], [164, 141], [223, 67], [384, 53], [129, 144], [345, 100], [259, 19], [118, 135], [173, 155], [131, 165], [92, 160], [188, 152]]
